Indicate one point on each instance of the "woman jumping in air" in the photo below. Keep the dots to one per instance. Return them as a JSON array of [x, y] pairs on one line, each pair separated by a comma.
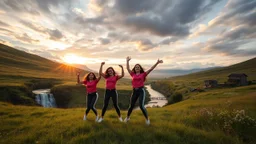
[[90, 81], [111, 78], [138, 77]]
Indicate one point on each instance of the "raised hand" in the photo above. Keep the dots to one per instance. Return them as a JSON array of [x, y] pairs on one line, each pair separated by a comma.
[[78, 73], [120, 66], [159, 61], [128, 58], [102, 63]]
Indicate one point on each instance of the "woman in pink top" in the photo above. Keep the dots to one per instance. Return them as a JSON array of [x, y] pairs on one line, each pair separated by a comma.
[[111, 78], [90, 81], [138, 77]]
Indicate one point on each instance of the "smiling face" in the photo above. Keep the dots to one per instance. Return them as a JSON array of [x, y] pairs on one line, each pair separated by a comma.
[[110, 72], [137, 68], [91, 76]]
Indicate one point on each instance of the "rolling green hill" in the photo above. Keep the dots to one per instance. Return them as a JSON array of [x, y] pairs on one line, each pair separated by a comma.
[[183, 84], [18, 67], [221, 74], [21, 72]]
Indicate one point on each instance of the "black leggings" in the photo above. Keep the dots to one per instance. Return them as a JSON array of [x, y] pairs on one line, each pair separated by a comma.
[[138, 93], [114, 95], [91, 101]]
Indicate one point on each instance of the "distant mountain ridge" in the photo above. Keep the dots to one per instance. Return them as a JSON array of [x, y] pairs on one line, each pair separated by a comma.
[[165, 73], [220, 73], [83, 67]]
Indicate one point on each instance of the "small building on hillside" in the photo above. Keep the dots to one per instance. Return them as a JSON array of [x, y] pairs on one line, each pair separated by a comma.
[[210, 83], [237, 79]]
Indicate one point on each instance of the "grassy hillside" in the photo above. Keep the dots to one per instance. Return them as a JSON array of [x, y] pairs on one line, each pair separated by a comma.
[[21, 72], [183, 84], [18, 67], [217, 116], [221, 74]]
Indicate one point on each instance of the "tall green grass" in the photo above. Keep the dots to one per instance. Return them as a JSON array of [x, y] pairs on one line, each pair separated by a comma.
[[199, 120]]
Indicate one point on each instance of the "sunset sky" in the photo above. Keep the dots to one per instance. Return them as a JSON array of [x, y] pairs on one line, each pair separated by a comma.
[[186, 34]]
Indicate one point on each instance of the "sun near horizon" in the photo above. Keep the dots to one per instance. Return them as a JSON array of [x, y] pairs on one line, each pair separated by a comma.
[[71, 58]]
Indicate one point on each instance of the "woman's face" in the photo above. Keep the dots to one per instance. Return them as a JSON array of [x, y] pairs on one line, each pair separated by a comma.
[[91, 76], [110, 72], [137, 68]]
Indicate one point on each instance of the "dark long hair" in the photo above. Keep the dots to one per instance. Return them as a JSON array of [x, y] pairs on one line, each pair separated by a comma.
[[106, 72], [141, 69], [86, 78]]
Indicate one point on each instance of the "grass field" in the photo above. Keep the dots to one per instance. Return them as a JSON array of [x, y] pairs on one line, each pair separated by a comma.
[[216, 116]]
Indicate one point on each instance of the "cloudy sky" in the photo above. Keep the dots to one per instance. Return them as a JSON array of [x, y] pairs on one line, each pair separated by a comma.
[[186, 34]]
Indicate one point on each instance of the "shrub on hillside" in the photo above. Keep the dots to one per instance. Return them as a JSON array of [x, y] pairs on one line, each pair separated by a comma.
[[16, 95], [230, 121], [62, 95], [177, 97]]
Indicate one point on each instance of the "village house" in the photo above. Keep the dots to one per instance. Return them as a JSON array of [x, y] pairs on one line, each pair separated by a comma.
[[210, 83], [238, 79]]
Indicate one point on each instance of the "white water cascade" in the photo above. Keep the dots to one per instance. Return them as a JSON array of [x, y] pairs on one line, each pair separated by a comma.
[[45, 98]]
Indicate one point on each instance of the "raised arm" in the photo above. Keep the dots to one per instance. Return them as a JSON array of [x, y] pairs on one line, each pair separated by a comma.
[[127, 64], [154, 66], [100, 71], [78, 78], [122, 75], [101, 66]]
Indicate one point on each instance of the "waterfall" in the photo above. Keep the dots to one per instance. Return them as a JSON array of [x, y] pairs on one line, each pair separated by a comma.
[[45, 98]]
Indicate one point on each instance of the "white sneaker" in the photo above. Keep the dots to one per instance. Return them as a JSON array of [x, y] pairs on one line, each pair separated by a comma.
[[120, 119], [148, 122], [100, 120], [126, 119], [97, 118], [84, 117]]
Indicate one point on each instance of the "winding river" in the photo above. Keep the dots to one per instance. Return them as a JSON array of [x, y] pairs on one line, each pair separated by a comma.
[[156, 99]]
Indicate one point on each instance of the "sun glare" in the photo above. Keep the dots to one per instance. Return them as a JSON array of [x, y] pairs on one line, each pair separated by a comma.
[[73, 59]]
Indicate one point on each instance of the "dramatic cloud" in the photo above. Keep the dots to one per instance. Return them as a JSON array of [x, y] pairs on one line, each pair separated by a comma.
[[145, 45], [167, 41], [182, 32], [104, 41], [27, 39], [53, 34], [164, 17], [5, 30], [3, 24], [232, 41], [25, 6], [235, 13]]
